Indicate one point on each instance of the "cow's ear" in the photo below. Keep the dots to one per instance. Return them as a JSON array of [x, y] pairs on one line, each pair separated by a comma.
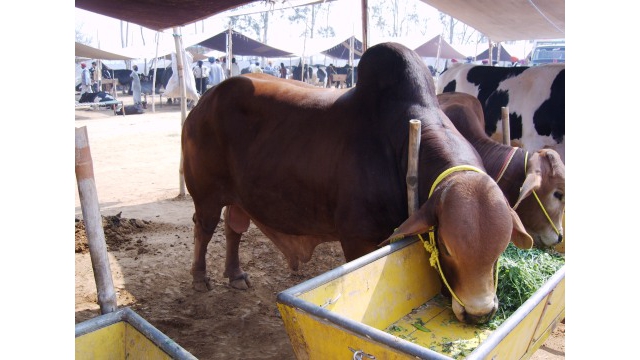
[[519, 235], [533, 179]]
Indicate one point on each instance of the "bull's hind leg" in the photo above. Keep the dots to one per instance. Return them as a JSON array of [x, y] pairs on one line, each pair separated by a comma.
[[236, 222], [205, 224]]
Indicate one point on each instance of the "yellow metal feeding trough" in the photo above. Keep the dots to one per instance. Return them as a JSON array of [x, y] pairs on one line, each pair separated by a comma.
[[387, 305], [123, 334]]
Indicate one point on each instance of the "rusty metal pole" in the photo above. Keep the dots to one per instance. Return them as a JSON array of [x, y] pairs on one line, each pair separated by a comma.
[[93, 223]]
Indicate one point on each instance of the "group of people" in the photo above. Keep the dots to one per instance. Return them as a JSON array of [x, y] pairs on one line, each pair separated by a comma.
[[213, 72], [89, 79], [89, 82]]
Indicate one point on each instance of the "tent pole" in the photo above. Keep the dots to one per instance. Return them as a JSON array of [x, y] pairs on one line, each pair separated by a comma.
[[365, 25], [183, 98], [229, 51], [438, 58], [490, 53], [155, 72]]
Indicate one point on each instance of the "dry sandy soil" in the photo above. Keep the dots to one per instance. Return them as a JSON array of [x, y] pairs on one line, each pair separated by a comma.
[[149, 235]]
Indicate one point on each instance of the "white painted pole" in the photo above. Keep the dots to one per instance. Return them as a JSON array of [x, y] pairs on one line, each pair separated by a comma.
[[93, 223], [183, 98], [155, 72]]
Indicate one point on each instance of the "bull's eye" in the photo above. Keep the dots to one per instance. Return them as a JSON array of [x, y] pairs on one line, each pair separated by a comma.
[[558, 195]]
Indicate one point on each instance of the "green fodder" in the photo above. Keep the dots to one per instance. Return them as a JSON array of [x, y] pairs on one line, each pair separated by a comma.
[[521, 273]]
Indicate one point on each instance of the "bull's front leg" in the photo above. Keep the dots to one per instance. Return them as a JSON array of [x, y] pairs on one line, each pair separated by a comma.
[[236, 221]]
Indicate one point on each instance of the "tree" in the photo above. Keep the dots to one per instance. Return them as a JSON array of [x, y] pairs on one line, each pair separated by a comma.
[[82, 37], [397, 18], [463, 35]]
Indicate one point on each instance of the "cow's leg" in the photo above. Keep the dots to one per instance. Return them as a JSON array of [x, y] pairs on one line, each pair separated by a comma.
[[205, 224], [236, 222]]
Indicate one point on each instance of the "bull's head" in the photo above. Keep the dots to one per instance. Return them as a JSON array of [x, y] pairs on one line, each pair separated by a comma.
[[474, 224], [541, 199]]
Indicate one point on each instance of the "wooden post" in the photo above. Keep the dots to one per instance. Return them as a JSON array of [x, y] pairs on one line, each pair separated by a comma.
[[415, 127], [93, 223], [506, 130]]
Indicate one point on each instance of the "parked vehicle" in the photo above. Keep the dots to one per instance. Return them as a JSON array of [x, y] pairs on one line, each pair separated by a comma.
[[547, 51]]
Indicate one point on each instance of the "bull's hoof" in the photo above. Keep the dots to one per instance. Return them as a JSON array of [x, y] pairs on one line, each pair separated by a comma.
[[202, 285], [242, 282], [200, 281]]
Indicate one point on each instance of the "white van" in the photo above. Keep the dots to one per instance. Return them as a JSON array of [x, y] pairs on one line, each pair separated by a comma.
[[547, 51]]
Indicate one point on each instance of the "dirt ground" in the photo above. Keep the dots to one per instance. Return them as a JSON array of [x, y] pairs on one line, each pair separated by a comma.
[[149, 235]]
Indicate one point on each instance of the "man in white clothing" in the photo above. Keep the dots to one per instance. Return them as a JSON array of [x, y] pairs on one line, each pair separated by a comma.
[[216, 75], [85, 80], [235, 69]]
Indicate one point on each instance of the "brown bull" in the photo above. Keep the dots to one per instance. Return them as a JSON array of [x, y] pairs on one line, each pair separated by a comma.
[[518, 173], [309, 165]]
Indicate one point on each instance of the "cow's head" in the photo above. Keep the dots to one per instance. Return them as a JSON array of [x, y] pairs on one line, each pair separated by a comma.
[[474, 224], [545, 177]]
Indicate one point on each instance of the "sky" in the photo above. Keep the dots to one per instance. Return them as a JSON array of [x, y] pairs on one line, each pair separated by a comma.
[[37, 138]]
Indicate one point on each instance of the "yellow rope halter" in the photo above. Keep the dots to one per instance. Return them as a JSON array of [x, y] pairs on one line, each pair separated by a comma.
[[431, 246], [544, 211]]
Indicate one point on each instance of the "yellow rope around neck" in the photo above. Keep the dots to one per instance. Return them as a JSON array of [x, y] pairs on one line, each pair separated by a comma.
[[544, 211], [431, 246], [451, 170]]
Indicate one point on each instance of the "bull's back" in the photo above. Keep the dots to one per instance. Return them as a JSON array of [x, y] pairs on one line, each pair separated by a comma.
[[274, 147]]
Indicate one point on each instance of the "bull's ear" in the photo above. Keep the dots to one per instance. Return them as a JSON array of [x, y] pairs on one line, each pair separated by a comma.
[[557, 166], [519, 235], [418, 223], [533, 180]]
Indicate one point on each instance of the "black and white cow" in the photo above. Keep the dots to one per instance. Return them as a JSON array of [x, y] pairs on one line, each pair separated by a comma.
[[534, 95], [100, 96], [146, 82]]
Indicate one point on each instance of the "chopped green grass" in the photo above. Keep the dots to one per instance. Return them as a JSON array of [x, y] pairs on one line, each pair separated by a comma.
[[520, 274]]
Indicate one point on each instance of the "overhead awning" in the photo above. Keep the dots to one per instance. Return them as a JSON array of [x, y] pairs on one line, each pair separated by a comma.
[[89, 52], [430, 49], [342, 49], [503, 20], [242, 45], [161, 15], [504, 54]]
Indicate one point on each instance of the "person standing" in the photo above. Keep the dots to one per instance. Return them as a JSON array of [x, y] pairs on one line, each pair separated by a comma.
[[216, 75], [235, 69], [283, 71], [201, 73], [331, 70], [225, 67], [136, 87], [85, 80], [256, 68], [94, 76]]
